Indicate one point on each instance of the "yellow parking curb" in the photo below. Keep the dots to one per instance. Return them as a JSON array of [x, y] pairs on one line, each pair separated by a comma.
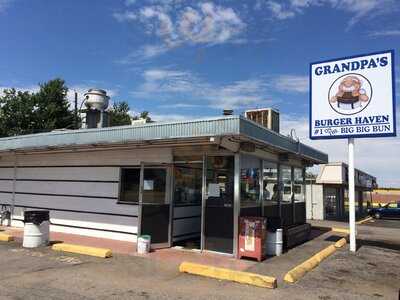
[[340, 243], [364, 220], [4, 237], [226, 274], [92, 251], [299, 271], [341, 230], [320, 256]]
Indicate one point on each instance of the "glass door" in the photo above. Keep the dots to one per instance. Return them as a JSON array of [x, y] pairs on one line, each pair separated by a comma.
[[155, 205], [331, 201], [218, 206]]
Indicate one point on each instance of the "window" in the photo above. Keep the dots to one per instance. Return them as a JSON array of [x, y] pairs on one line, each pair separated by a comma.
[[298, 185], [331, 202], [130, 182], [188, 184], [220, 181], [154, 185], [250, 187], [270, 183], [286, 183], [250, 182]]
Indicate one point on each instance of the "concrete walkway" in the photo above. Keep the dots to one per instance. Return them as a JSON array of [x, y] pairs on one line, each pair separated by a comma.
[[172, 255], [327, 223]]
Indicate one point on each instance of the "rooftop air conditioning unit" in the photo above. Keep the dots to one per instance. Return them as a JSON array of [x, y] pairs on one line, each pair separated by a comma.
[[267, 117]]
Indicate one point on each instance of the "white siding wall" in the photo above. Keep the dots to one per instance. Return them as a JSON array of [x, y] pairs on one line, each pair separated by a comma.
[[314, 202], [79, 188]]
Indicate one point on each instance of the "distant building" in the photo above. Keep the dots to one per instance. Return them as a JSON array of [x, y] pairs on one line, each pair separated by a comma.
[[385, 195], [327, 196]]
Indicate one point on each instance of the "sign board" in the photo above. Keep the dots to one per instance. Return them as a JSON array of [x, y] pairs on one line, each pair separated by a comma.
[[353, 97], [148, 185]]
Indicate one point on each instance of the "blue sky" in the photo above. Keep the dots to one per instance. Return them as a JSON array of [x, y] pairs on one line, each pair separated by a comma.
[[183, 59]]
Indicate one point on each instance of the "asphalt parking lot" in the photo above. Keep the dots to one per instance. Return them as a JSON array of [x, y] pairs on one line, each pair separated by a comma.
[[386, 223], [373, 272]]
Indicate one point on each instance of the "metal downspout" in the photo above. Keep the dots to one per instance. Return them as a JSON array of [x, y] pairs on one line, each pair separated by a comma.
[[13, 190]]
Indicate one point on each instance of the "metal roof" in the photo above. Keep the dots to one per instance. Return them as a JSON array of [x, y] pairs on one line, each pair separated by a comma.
[[221, 126]]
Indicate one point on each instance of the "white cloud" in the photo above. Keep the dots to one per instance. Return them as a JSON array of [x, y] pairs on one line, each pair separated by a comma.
[[125, 16], [172, 117], [130, 2], [168, 83], [357, 9], [162, 25], [4, 4], [249, 93], [291, 83], [180, 105], [392, 32], [175, 25], [211, 24], [174, 85], [279, 11], [378, 157], [143, 54]]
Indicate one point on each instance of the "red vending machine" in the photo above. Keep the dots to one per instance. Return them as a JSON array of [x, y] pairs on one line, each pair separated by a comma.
[[252, 237]]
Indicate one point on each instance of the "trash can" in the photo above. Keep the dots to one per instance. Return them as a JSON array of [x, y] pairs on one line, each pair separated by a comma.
[[143, 244], [275, 242], [36, 228]]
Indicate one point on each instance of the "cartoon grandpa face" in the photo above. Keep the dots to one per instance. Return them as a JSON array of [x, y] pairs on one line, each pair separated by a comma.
[[350, 95]]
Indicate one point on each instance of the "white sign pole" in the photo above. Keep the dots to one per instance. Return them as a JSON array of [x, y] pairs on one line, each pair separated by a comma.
[[352, 212]]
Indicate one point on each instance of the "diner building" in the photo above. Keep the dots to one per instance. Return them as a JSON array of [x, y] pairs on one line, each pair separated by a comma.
[[175, 181]]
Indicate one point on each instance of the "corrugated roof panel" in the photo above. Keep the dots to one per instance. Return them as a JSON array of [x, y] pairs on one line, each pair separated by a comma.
[[227, 125]]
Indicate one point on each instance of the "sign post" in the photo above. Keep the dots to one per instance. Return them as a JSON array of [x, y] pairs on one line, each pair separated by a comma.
[[352, 212], [353, 97]]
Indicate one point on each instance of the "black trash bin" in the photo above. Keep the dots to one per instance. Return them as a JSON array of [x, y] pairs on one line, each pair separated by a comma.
[[36, 217]]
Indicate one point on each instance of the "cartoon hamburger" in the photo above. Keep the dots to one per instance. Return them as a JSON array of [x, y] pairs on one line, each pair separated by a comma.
[[350, 95]]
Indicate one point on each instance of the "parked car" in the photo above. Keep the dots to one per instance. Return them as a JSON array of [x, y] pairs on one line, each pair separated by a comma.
[[389, 210]]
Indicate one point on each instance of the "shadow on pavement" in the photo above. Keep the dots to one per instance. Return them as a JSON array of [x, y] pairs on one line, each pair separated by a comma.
[[378, 244], [333, 238]]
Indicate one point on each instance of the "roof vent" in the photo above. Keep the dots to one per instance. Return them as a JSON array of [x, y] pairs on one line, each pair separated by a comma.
[[227, 112], [96, 99]]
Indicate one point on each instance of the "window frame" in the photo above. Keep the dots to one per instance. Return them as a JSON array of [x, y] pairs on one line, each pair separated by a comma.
[[121, 185]]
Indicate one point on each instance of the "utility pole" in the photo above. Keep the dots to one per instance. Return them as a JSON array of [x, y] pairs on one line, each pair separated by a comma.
[[76, 111]]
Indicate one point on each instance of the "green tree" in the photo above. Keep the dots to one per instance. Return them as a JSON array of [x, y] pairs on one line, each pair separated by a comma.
[[16, 115], [119, 114], [25, 112], [52, 106], [144, 115]]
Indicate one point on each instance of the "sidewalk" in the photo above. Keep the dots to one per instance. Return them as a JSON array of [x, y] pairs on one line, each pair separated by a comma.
[[328, 223], [172, 255]]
